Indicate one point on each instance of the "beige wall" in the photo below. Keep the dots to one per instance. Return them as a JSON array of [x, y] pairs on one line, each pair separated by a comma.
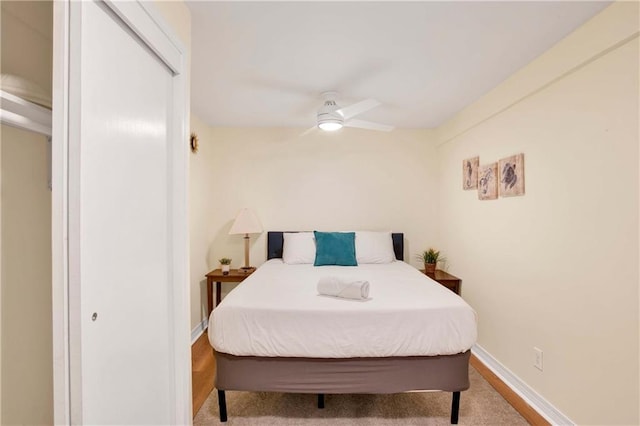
[[27, 374], [202, 208], [27, 34], [1, 233], [26, 381], [353, 179], [26, 363], [178, 18], [557, 268]]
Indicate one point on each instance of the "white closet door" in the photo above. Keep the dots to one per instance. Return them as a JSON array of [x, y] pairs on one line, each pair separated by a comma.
[[125, 266]]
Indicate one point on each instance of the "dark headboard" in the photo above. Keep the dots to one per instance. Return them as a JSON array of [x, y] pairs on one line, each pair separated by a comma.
[[275, 241]]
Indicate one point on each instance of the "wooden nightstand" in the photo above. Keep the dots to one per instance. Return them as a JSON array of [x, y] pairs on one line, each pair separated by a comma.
[[216, 276], [446, 279]]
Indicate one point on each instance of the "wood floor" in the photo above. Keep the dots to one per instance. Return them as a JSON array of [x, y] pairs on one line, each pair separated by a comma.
[[204, 368], [521, 406]]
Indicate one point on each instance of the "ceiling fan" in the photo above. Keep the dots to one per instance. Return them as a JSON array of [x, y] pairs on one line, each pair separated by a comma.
[[332, 117]]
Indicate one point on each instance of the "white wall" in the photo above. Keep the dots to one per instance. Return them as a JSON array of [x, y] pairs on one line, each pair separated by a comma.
[[558, 267], [352, 179], [26, 345]]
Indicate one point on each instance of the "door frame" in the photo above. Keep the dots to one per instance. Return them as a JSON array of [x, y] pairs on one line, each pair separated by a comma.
[[146, 23]]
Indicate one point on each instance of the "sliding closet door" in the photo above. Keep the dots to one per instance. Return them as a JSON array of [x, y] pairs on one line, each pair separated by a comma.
[[126, 278]]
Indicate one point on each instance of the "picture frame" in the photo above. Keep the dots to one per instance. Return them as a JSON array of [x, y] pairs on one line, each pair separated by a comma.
[[488, 182], [511, 176], [470, 173]]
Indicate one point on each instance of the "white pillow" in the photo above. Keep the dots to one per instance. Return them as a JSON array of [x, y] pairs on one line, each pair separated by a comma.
[[299, 247], [374, 247]]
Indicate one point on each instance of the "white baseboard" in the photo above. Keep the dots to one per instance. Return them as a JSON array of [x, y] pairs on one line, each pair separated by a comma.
[[198, 330], [531, 397]]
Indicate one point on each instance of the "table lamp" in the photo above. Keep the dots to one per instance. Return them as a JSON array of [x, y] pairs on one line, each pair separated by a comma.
[[246, 223]]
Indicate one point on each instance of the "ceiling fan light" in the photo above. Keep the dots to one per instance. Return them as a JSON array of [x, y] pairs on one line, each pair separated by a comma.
[[330, 121], [330, 126], [329, 118]]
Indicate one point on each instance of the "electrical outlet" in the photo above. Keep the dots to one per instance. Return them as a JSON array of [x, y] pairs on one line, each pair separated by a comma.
[[537, 361]]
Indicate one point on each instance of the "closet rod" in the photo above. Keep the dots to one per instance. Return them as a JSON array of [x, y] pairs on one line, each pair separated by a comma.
[[18, 112]]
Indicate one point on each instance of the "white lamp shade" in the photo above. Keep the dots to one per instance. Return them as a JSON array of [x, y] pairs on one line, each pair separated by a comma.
[[246, 223]]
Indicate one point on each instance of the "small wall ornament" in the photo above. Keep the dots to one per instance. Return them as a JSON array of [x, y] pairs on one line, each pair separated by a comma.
[[194, 142], [470, 173], [511, 176], [488, 182]]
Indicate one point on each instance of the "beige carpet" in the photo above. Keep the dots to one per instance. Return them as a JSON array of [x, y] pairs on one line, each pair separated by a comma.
[[480, 405]]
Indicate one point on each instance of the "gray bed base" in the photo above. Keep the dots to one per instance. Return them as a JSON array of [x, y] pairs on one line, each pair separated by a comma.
[[337, 375], [322, 376]]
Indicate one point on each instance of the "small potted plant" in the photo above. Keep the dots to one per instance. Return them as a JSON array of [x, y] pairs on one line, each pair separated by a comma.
[[225, 263], [430, 258]]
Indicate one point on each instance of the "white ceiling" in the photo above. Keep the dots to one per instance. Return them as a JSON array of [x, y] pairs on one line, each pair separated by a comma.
[[266, 63]]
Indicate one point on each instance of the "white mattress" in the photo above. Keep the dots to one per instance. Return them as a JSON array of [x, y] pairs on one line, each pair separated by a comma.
[[276, 312]]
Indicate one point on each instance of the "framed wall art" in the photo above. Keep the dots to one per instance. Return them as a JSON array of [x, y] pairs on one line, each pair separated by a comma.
[[470, 173], [511, 171], [488, 182]]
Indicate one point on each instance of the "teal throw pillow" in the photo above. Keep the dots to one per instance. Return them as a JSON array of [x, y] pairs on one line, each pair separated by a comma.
[[335, 248]]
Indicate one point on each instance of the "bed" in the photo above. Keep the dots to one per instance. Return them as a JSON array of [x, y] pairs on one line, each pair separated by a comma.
[[411, 335]]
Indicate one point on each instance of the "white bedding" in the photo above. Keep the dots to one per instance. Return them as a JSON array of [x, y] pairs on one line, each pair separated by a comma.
[[277, 312]]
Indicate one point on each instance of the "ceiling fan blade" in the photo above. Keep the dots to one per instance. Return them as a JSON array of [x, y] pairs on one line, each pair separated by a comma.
[[362, 124], [358, 108], [309, 130]]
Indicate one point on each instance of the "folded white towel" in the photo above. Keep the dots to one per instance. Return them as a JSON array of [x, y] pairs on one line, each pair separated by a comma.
[[340, 287]]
